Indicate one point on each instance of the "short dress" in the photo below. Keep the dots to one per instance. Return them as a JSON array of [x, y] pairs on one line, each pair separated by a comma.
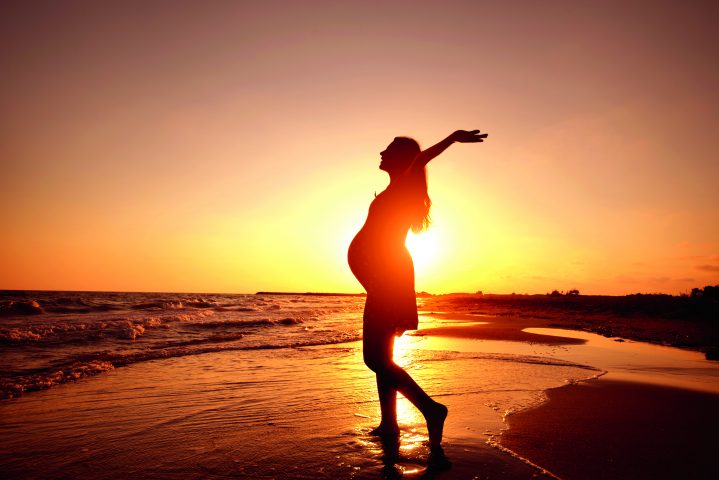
[[379, 259]]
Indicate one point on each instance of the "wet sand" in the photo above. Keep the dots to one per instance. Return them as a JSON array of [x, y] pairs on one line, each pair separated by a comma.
[[683, 322], [496, 331], [652, 415], [612, 429], [288, 414]]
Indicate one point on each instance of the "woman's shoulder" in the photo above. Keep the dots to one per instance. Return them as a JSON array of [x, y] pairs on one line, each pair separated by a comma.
[[409, 184]]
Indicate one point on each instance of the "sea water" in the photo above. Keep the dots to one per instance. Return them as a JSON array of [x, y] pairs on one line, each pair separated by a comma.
[[49, 338]]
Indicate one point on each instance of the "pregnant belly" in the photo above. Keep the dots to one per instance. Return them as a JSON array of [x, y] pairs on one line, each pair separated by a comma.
[[380, 267]]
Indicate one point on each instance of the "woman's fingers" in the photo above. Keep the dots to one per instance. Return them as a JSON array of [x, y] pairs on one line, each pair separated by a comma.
[[469, 136], [474, 136]]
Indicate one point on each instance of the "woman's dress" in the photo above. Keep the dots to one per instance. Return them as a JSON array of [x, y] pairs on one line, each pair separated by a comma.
[[379, 259]]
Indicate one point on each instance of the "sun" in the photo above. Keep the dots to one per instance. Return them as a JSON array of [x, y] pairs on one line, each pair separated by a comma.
[[424, 248]]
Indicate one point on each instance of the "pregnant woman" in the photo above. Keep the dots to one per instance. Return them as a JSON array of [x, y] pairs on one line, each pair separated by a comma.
[[380, 261]]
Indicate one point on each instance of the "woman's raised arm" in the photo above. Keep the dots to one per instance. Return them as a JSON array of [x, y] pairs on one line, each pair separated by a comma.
[[462, 136]]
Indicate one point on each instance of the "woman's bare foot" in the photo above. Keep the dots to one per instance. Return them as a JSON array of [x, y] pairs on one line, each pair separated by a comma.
[[435, 424], [437, 460], [385, 431]]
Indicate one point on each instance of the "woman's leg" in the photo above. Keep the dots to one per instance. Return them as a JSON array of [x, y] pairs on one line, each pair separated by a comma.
[[378, 344], [388, 406]]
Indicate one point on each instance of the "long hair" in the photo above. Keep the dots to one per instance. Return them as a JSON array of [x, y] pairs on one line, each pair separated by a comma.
[[421, 202]]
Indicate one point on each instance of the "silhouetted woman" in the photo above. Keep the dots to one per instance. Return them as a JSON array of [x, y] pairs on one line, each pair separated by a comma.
[[380, 261]]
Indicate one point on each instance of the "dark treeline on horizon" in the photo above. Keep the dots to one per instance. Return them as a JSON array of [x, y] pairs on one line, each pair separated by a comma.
[[709, 292]]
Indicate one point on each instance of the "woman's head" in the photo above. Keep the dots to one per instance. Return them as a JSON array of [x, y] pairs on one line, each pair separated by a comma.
[[398, 155], [396, 159]]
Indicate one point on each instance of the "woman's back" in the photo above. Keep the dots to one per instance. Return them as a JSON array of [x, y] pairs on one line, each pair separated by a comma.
[[390, 216]]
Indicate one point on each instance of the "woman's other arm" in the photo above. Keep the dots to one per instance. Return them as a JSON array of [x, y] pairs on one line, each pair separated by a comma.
[[461, 136]]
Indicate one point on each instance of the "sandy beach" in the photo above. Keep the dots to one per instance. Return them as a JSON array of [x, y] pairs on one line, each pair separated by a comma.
[[525, 402], [615, 429], [651, 414]]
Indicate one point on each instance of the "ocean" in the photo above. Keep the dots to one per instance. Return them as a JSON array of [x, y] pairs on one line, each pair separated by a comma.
[[50, 338]]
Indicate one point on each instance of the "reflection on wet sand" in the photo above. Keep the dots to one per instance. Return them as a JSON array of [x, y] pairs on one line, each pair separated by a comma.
[[616, 358], [480, 383], [638, 361], [405, 455]]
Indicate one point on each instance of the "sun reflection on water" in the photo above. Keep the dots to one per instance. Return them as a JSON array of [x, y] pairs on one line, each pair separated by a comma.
[[403, 350], [407, 414]]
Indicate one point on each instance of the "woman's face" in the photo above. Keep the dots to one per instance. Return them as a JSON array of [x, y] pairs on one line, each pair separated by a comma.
[[394, 158]]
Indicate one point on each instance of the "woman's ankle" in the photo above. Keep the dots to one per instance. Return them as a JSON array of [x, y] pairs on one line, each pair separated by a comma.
[[386, 429]]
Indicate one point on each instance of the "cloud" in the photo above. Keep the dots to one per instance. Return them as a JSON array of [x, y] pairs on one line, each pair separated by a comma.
[[708, 268], [661, 279]]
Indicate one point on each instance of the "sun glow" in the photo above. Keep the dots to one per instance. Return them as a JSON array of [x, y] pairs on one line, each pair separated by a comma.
[[424, 248]]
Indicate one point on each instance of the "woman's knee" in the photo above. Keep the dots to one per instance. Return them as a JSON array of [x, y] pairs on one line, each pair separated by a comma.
[[377, 347], [376, 361]]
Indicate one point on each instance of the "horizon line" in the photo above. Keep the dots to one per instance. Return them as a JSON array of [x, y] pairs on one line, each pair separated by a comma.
[[337, 294]]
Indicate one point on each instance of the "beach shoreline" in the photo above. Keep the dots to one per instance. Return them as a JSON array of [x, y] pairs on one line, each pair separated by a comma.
[[681, 322], [613, 425]]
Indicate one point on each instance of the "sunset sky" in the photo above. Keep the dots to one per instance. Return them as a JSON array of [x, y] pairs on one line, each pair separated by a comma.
[[233, 146]]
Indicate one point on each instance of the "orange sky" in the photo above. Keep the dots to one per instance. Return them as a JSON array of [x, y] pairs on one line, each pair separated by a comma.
[[222, 147]]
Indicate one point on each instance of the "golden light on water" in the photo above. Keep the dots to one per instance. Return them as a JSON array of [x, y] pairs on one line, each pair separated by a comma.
[[403, 350], [407, 414]]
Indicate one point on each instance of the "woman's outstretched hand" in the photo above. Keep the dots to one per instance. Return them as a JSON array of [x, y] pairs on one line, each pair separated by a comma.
[[462, 136], [465, 136]]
